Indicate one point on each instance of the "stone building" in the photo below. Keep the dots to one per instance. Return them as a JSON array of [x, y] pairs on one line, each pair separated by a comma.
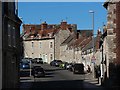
[[39, 48], [66, 49], [63, 33], [45, 34], [71, 48], [113, 41], [87, 53], [9, 45]]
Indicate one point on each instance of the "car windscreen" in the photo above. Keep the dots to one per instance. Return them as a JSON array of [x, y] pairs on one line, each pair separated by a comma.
[[78, 65]]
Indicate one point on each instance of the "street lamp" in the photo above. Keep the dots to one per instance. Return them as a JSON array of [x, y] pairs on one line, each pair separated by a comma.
[[92, 12]]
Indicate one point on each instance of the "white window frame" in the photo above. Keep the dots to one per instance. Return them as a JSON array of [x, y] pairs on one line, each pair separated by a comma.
[[51, 54], [51, 44]]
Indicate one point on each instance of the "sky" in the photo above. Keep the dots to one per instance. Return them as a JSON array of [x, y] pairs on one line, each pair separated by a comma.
[[72, 12]]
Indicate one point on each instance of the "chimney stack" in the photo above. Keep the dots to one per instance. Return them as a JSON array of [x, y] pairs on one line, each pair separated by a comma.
[[44, 26], [63, 25]]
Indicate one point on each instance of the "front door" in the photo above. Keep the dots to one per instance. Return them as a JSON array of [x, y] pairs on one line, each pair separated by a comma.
[[45, 58]]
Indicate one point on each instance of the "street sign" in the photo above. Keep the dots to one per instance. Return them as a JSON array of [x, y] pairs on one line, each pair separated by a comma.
[[93, 59]]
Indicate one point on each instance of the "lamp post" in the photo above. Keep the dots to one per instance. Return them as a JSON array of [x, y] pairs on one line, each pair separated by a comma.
[[92, 12]]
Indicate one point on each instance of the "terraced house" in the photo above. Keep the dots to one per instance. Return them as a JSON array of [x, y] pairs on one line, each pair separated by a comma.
[[71, 48], [43, 41], [61, 42], [80, 47]]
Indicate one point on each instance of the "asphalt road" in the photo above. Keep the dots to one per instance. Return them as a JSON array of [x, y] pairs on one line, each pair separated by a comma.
[[55, 78]]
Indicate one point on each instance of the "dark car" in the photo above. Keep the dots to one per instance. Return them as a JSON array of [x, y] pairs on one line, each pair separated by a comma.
[[70, 66], [64, 65], [78, 68], [33, 61], [56, 63], [39, 60], [38, 71], [24, 65]]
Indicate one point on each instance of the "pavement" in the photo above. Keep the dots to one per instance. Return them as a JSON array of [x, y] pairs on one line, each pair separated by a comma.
[[89, 78], [91, 82]]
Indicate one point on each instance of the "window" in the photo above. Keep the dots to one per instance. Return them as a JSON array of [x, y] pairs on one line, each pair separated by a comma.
[[51, 56], [32, 44], [9, 35], [51, 46], [90, 50], [40, 56], [32, 55], [40, 44], [14, 37]]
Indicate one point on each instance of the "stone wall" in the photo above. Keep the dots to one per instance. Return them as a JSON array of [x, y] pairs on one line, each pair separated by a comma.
[[59, 38], [43, 51]]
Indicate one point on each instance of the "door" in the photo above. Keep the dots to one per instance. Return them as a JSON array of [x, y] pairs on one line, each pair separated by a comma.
[[45, 58]]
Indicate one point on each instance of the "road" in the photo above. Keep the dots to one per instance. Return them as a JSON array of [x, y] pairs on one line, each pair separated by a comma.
[[56, 78]]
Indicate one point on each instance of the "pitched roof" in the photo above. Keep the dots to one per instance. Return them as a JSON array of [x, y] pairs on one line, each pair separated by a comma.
[[33, 30], [69, 39], [86, 33], [90, 44], [84, 38]]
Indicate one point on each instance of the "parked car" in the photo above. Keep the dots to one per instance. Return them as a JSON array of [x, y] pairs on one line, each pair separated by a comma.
[[63, 65], [39, 60], [25, 60], [70, 66], [24, 65], [78, 68], [33, 61], [56, 63], [38, 71]]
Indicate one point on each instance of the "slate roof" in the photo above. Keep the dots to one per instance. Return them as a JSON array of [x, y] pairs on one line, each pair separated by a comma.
[[83, 34], [35, 29], [90, 44], [86, 33], [69, 39]]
